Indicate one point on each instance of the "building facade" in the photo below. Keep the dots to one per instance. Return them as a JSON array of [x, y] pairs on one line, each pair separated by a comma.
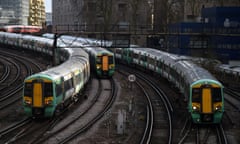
[[217, 36], [48, 18], [87, 14], [37, 16], [192, 8], [14, 12], [102, 16], [66, 14]]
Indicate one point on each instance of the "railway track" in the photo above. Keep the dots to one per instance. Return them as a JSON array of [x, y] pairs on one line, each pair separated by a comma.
[[201, 134], [24, 67], [78, 117], [152, 109], [5, 71], [232, 110]]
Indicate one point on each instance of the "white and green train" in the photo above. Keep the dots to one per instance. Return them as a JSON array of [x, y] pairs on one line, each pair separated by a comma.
[[202, 91], [46, 91], [102, 61]]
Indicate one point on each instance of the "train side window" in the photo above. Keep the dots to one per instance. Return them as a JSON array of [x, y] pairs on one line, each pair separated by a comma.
[[143, 58], [68, 84], [28, 89], [151, 61], [196, 94], [135, 55], [159, 63], [216, 94], [48, 89], [59, 89]]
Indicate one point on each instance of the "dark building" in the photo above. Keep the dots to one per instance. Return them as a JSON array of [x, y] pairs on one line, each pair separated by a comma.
[[217, 35]]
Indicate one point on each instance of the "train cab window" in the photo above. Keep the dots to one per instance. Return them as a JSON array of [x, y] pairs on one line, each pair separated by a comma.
[[48, 89], [216, 94], [28, 89], [99, 60], [110, 59], [196, 95]]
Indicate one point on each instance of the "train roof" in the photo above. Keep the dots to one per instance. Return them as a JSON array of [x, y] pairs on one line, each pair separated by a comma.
[[182, 64], [97, 51], [77, 57], [229, 68]]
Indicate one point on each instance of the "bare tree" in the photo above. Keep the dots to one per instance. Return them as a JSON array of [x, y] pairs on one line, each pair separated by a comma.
[[195, 7], [104, 7], [135, 7]]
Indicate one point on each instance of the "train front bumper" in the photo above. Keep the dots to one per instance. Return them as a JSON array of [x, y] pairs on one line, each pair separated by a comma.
[[213, 118], [39, 112]]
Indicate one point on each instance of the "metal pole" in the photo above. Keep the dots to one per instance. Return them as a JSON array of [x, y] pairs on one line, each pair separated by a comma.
[[54, 49]]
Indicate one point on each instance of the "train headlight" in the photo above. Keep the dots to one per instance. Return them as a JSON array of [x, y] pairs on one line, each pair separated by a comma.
[[98, 66], [111, 66], [218, 108], [48, 102], [28, 102], [196, 107]]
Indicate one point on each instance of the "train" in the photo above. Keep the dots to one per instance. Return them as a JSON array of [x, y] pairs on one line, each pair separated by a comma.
[[102, 61], [23, 29], [202, 91], [229, 75], [48, 91]]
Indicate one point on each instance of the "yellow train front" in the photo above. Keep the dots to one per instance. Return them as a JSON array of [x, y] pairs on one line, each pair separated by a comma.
[[206, 103], [39, 98], [102, 62]]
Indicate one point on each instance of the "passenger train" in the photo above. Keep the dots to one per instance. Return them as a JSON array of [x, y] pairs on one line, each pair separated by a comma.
[[202, 91], [229, 75], [102, 61], [44, 92], [23, 29], [47, 91]]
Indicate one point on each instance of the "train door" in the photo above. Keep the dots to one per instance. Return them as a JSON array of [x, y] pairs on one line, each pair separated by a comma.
[[105, 63], [37, 94], [206, 100]]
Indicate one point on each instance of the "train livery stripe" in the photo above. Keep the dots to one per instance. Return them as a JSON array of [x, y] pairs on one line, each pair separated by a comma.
[[206, 101], [37, 100], [105, 63]]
